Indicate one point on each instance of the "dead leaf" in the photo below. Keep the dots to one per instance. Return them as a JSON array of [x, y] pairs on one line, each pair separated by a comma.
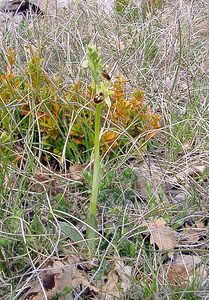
[[81, 280], [124, 273], [150, 175], [117, 282], [184, 269], [110, 289], [58, 274], [179, 196], [199, 224], [161, 235], [44, 180], [187, 146], [76, 172], [194, 170], [191, 236], [31, 49], [117, 43]]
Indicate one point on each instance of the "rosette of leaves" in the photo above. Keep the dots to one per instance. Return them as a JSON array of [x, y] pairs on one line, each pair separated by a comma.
[[131, 115]]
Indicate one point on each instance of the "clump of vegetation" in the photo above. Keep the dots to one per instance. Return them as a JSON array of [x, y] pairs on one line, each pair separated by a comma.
[[61, 121], [130, 9], [127, 9], [151, 7]]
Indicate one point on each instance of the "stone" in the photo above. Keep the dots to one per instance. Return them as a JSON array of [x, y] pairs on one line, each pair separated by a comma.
[[51, 9], [11, 4], [55, 7]]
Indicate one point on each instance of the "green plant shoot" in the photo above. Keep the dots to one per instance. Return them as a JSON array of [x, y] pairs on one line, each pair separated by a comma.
[[101, 94]]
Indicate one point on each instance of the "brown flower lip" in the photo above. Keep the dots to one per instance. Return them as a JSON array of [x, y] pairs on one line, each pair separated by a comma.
[[99, 98]]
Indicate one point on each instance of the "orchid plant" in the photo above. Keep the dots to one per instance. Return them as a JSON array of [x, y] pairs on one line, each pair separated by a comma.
[[101, 96]]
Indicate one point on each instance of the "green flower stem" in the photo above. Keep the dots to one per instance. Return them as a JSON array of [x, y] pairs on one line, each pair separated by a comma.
[[91, 233], [94, 64], [96, 171]]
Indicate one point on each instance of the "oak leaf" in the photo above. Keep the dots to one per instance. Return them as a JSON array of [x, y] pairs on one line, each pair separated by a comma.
[[163, 236], [184, 269]]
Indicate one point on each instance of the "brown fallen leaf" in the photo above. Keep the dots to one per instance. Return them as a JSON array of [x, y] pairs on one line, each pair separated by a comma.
[[31, 49], [58, 274], [184, 269], [117, 43], [199, 224], [76, 172], [161, 235], [55, 276], [81, 279], [194, 170], [117, 282], [153, 176], [110, 289], [191, 236], [124, 273], [40, 181]]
